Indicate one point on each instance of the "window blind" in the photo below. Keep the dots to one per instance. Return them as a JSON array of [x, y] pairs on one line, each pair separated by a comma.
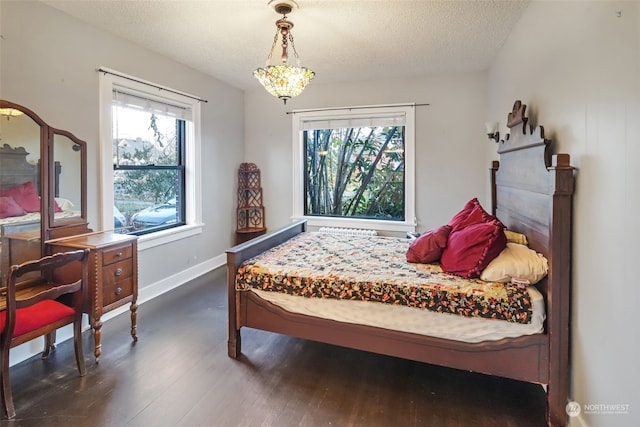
[[369, 120], [145, 102]]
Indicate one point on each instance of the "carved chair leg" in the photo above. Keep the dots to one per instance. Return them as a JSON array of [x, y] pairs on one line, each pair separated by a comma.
[[77, 343], [7, 398], [49, 344]]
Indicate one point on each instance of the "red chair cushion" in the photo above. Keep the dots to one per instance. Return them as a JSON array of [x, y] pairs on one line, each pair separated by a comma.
[[40, 314]]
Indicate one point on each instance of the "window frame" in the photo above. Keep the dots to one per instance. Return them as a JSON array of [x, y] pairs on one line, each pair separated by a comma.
[[110, 80], [345, 113]]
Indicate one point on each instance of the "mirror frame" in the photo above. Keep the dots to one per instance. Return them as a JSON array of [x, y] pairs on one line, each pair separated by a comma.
[[50, 203], [49, 227]]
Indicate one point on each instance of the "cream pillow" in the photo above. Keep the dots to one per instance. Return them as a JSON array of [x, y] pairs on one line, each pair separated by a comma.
[[516, 262], [65, 204], [513, 237]]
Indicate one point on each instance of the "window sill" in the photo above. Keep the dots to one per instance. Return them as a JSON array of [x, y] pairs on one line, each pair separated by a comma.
[[369, 224], [163, 237]]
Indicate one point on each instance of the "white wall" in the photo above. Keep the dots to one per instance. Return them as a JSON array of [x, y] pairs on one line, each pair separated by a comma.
[[577, 67], [450, 138], [48, 64]]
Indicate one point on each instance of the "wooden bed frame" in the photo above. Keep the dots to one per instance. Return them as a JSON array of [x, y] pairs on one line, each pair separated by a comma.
[[531, 194]]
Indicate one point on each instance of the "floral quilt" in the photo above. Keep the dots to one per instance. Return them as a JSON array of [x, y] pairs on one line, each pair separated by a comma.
[[323, 265]]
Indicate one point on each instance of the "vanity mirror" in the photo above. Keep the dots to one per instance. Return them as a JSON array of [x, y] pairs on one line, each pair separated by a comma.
[[43, 210], [67, 212], [42, 185]]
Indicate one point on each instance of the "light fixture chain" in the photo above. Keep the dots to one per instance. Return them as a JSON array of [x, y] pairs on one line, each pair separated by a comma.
[[293, 46], [273, 46]]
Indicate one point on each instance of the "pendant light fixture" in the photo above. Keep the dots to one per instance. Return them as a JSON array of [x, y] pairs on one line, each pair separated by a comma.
[[283, 80], [10, 112]]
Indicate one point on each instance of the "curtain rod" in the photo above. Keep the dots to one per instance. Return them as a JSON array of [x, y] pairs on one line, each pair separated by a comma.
[[356, 108], [124, 76]]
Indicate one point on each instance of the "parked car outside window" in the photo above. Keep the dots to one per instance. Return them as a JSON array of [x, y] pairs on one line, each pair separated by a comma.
[[119, 221], [155, 216]]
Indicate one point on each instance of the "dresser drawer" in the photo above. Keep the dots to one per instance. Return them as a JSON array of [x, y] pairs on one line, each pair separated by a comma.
[[116, 272], [117, 291], [111, 255]]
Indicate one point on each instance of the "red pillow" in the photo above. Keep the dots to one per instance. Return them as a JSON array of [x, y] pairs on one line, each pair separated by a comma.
[[471, 213], [429, 245], [25, 195], [472, 248], [9, 207], [463, 214]]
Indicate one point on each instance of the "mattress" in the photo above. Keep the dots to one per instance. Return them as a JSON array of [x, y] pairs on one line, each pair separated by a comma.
[[34, 217], [408, 319]]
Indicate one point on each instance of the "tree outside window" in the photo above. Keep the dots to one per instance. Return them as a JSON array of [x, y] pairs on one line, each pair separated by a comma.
[[355, 172], [148, 177], [354, 167]]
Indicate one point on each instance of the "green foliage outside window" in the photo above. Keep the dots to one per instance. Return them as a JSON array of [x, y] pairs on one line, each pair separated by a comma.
[[355, 172]]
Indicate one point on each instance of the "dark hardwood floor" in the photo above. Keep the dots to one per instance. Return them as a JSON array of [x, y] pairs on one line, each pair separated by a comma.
[[178, 374]]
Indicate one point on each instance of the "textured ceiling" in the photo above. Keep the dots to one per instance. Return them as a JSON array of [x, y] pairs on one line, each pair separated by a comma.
[[341, 41]]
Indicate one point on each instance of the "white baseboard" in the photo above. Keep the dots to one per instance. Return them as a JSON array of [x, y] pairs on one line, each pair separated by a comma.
[[149, 292], [156, 289]]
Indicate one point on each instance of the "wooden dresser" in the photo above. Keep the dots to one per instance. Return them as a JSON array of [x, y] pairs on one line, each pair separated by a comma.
[[113, 275]]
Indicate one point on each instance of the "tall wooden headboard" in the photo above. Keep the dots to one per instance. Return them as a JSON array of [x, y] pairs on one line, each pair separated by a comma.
[[532, 193], [14, 168]]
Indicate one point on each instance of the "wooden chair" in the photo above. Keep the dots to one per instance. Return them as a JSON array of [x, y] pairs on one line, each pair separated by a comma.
[[32, 308]]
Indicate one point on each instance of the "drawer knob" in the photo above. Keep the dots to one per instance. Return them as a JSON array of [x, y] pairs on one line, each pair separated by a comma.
[[118, 272], [118, 291], [119, 255]]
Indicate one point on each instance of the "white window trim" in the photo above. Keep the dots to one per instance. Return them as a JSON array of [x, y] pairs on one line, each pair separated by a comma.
[[299, 116], [193, 181]]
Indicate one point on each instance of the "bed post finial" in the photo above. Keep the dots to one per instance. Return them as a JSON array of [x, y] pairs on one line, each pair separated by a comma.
[[516, 116], [526, 135]]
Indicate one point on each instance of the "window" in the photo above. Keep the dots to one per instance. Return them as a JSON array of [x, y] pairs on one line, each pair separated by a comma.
[[150, 144], [149, 140], [354, 167]]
